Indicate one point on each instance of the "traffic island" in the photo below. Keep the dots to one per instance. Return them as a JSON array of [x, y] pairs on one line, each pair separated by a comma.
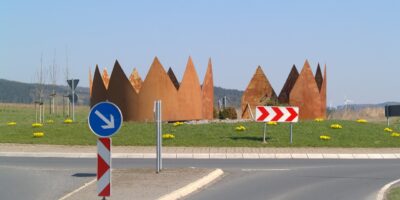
[[147, 184]]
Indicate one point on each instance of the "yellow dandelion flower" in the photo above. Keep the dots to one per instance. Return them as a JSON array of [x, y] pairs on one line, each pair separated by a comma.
[[272, 123], [324, 137], [38, 134], [35, 125], [168, 136], [388, 130], [240, 128], [319, 119], [68, 121], [11, 123], [336, 126], [395, 134]]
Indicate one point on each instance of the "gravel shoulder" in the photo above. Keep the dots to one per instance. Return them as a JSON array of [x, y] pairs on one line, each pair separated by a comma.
[[144, 183]]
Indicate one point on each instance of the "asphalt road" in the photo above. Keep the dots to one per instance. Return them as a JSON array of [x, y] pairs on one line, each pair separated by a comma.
[[51, 178]]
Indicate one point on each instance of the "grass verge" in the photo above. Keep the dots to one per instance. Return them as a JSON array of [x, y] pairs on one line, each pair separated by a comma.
[[394, 194], [305, 133]]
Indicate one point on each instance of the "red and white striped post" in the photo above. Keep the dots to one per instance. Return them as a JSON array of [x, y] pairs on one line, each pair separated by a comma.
[[104, 167]]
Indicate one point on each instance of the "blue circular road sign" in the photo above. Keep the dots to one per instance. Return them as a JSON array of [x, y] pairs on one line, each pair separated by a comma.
[[105, 119]]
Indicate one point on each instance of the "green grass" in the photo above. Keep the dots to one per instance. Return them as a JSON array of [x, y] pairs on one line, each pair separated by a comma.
[[305, 134], [394, 194]]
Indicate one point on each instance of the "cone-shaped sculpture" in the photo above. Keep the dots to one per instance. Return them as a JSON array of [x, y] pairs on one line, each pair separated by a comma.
[[177, 105], [106, 78], [208, 93], [135, 80], [323, 95], [99, 91], [305, 94], [318, 77], [189, 94], [287, 88], [173, 78], [258, 92], [121, 93], [90, 82], [158, 86]]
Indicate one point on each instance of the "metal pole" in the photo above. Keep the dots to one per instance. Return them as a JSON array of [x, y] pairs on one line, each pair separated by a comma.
[[265, 132], [158, 135], [63, 106], [388, 123], [291, 133], [73, 101]]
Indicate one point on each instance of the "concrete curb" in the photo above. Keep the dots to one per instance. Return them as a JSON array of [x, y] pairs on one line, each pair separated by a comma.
[[192, 187], [384, 189], [206, 155]]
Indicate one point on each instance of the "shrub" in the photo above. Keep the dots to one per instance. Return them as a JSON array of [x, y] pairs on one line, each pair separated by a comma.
[[228, 113], [215, 113]]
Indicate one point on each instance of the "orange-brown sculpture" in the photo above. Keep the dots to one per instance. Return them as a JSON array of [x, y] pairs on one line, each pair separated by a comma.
[[99, 91], [121, 92], [288, 86], [106, 78], [185, 101], [305, 94], [208, 93], [135, 80], [173, 78], [304, 90], [323, 95], [258, 93]]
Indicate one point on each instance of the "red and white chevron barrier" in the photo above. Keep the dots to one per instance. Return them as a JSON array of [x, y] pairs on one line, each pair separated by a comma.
[[277, 114], [104, 167]]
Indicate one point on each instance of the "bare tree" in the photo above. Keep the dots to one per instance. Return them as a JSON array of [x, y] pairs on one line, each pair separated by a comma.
[[66, 76], [39, 88], [53, 77]]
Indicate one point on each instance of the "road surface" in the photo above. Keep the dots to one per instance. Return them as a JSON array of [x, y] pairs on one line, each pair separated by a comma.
[[51, 178]]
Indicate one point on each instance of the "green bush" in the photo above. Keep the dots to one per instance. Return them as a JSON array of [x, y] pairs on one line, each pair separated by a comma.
[[215, 113], [228, 113]]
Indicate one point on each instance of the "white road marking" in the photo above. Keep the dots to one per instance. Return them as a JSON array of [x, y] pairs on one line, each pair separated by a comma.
[[381, 193], [264, 170], [77, 190]]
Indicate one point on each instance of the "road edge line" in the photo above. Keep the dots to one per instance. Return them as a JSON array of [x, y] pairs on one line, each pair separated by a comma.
[[383, 190], [77, 190], [194, 186]]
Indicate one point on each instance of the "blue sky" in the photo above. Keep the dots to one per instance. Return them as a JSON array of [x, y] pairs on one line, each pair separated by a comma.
[[358, 40]]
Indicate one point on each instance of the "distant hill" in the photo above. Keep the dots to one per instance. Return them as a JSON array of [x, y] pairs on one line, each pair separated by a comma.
[[362, 106], [18, 92], [234, 97]]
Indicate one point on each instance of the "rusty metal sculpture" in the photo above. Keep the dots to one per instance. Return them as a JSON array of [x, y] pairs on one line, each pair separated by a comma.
[[304, 90], [185, 101], [259, 92]]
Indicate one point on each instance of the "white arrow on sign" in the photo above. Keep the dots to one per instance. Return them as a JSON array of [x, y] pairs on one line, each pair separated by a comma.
[[110, 123]]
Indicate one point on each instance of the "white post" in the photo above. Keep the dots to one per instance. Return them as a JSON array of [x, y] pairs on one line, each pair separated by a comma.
[[265, 132], [291, 133], [158, 135]]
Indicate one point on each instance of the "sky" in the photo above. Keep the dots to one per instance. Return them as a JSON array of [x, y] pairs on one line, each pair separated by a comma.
[[357, 40]]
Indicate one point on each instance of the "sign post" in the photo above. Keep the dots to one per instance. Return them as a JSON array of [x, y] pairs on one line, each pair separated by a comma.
[[105, 119], [391, 111], [72, 84], [157, 115], [277, 114]]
